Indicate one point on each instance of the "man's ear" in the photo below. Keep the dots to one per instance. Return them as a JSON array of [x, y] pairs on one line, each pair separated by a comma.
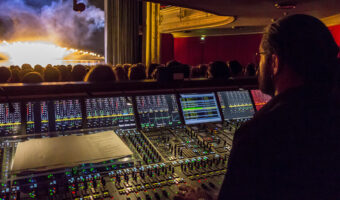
[[275, 64]]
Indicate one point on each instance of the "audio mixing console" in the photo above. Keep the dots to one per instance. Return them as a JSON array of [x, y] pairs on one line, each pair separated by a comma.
[[181, 140]]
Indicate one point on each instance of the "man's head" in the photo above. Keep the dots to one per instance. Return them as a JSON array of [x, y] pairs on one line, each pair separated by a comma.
[[299, 46]]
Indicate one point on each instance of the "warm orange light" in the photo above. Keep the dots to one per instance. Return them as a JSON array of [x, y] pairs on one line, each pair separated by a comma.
[[39, 52]]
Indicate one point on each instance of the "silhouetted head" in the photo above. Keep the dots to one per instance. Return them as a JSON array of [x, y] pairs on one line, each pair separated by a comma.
[[100, 73], [173, 63], [218, 70], [120, 73], [137, 72], [78, 73], [300, 45], [39, 69], [204, 69], [151, 69], [126, 68], [235, 68], [32, 77], [15, 78], [52, 74], [5, 74], [250, 70], [64, 72], [26, 67], [196, 72]]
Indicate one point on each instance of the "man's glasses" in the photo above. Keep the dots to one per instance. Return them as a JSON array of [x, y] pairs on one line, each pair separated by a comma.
[[257, 57]]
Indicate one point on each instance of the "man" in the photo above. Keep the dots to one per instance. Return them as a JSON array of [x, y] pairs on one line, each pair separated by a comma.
[[291, 148]]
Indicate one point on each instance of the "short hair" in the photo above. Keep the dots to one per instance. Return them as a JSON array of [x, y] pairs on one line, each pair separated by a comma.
[[204, 69], [100, 73], [152, 67], [137, 72], [173, 63], [127, 67], [24, 71], [304, 44], [5, 74], [120, 73], [219, 70], [235, 68], [196, 72], [52, 74], [15, 78], [26, 67], [32, 77], [250, 70], [78, 73], [64, 72], [39, 69]]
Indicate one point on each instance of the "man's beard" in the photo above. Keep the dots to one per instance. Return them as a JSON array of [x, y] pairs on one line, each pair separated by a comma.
[[266, 82]]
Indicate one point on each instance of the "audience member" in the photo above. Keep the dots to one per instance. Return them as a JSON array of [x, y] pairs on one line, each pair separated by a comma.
[[250, 70], [152, 67], [235, 68], [127, 68], [27, 67], [100, 73], [78, 73], [120, 73], [65, 73], [52, 74], [137, 72], [39, 69], [204, 70], [5, 75], [173, 63], [12, 67], [32, 77], [24, 71], [218, 70], [15, 78], [196, 72]]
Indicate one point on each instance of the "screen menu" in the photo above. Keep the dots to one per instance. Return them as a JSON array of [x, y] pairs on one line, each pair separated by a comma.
[[32, 117], [67, 114], [10, 119], [236, 105], [200, 108], [158, 111], [110, 111]]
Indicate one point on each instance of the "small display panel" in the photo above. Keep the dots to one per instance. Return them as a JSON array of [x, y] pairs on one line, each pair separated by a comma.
[[260, 99], [10, 119], [236, 104], [67, 114], [200, 108], [32, 117], [158, 111], [110, 111]]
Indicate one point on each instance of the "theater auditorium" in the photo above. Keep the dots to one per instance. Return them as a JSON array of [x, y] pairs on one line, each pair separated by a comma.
[[169, 100]]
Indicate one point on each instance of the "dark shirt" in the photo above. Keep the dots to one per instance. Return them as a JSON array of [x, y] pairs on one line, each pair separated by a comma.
[[289, 150]]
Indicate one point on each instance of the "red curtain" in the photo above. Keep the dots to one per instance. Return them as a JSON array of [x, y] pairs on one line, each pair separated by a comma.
[[189, 50], [237, 47], [167, 48], [194, 51], [335, 30]]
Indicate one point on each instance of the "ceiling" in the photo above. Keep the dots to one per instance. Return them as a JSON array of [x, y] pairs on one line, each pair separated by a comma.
[[255, 13]]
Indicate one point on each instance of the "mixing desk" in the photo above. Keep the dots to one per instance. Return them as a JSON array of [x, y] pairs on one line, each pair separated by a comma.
[[175, 139]]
